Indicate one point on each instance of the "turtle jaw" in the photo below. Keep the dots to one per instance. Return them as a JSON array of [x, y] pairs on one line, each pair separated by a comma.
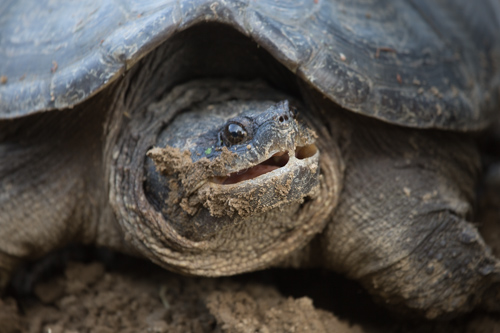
[[277, 161], [268, 186]]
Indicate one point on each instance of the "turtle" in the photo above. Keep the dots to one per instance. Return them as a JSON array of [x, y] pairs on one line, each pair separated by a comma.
[[221, 137]]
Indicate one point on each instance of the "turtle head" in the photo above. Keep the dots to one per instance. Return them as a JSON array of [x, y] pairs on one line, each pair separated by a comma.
[[221, 164], [221, 176]]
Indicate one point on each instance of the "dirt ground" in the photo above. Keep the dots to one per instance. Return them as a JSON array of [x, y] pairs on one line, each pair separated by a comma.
[[98, 291]]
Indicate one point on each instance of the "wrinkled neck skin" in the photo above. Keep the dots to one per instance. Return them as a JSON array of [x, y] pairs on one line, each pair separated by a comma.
[[221, 177]]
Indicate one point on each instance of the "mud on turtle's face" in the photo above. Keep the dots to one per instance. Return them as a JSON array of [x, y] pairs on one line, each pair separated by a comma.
[[225, 162]]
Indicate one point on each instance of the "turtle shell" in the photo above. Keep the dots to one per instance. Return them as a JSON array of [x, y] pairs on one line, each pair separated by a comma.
[[425, 63]]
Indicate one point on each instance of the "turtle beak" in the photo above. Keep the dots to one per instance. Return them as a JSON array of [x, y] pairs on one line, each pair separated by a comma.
[[276, 161]]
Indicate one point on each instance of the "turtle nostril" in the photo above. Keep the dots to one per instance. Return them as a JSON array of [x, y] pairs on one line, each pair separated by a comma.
[[283, 119]]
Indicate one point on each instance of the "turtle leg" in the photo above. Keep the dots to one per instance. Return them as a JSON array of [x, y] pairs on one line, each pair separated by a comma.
[[403, 224], [49, 168]]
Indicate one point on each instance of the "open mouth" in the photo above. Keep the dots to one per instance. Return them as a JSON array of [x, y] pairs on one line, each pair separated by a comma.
[[275, 162]]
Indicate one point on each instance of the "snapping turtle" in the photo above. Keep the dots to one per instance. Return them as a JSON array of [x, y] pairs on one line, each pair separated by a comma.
[[220, 137]]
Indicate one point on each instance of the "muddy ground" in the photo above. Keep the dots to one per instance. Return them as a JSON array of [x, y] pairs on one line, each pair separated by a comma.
[[93, 290]]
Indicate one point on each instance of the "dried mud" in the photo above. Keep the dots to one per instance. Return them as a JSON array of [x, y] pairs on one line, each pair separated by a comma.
[[192, 176], [88, 297], [116, 293]]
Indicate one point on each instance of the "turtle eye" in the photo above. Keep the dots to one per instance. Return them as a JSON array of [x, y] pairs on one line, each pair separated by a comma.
[[234, 133]]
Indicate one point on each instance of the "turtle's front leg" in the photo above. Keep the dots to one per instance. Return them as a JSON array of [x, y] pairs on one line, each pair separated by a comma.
[[48, 174], [403, 224]]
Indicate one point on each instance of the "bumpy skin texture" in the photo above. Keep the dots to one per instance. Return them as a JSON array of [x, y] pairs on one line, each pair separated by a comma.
[[404, 195], [403, 220]]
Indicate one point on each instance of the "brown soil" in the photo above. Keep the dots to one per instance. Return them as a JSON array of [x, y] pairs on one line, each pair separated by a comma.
[[116, 293]]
